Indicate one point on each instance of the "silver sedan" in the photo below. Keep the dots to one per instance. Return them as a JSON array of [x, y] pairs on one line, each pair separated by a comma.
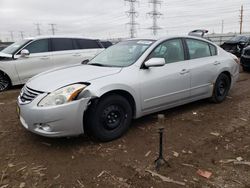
[[128, 80]]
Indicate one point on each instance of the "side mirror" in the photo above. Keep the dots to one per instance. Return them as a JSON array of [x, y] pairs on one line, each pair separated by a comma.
[[25, 53], [155, 62], [85, 61]]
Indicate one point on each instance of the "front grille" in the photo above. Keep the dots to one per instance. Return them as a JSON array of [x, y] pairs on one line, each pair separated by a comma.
[[27, 94]]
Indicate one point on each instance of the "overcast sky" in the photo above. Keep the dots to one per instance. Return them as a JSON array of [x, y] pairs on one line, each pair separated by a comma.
[[107, 18]]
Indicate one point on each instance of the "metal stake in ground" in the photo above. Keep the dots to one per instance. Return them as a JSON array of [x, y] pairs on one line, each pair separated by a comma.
[[160, 161]]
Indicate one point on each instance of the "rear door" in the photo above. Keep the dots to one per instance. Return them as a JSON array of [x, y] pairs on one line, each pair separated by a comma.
[[204, 63], [64, 52], [38, 61], [167, 85]]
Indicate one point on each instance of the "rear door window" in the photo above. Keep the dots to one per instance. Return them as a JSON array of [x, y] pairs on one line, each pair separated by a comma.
[[62, 44], [198, 48], [87, 44], [38, 46]]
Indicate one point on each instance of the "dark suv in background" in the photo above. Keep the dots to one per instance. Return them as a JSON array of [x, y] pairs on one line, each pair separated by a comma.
[[245, 59], [236, 44]]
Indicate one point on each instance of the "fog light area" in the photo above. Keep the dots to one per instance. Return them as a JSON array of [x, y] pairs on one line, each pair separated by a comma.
[[43, 126]]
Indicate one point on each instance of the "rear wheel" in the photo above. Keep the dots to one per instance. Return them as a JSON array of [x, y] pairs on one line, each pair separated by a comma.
[[110, 118], [4, 82], [221, 88]]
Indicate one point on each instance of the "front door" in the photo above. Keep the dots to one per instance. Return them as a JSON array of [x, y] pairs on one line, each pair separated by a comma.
[[38, 61], [168, 85]]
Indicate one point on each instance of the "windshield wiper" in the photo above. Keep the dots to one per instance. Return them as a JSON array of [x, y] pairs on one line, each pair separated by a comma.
[[97, 64]]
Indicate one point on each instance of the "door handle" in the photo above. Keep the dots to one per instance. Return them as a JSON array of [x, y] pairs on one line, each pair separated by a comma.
[[184, 71], [216, 63], [44, 58], [77, 55]]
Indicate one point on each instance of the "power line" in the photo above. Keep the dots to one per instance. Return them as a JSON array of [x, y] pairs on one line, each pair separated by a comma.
[[38, 28], [53, 29], [132, 14], [155, 14]]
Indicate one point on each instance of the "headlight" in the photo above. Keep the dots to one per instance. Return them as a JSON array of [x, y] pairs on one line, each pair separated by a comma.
[[62, 96]]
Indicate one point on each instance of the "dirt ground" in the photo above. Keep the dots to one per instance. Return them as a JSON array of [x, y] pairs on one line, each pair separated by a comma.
[[201, 135]]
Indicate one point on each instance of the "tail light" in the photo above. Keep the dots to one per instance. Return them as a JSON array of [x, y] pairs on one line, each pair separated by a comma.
[[236, 59]]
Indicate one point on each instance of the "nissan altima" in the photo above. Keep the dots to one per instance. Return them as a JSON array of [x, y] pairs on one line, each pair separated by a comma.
[[126, 81]]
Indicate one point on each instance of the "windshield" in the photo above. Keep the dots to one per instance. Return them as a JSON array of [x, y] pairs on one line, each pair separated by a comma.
[[239, 39], [122, 54], [14, 47]]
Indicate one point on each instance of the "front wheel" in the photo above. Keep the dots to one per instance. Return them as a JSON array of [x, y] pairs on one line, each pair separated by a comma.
[[4, 82], [110, 118], [221, 88]]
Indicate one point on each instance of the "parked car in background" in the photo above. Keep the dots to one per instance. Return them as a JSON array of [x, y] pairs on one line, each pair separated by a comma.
[[4, 45], [236, 44], [24, 59], [245, 59], [128, 80]]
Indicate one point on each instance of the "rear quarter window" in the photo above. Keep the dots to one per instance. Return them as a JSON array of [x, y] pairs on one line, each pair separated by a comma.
[[213, 50]]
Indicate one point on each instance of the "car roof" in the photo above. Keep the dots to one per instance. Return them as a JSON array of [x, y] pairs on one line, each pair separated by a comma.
[[57, 36], [172, 37]]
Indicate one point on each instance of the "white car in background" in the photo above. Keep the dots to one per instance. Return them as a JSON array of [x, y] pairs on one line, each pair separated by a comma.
[[27, 58]]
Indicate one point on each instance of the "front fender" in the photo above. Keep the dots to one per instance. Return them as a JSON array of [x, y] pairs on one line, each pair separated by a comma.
[[94, 92]]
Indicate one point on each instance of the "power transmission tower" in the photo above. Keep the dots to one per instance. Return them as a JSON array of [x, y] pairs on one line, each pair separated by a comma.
[[222, 26], [53, 29], [132, 14], [241, 19], [22, 34], [12, 36], [155, 14], [38, 28]]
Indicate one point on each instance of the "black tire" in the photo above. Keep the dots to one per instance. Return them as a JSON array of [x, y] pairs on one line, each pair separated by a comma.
[[221, 88], [109, 118], [4, 82]]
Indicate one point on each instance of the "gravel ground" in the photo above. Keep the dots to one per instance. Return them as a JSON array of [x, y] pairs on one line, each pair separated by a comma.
[[201, 135]]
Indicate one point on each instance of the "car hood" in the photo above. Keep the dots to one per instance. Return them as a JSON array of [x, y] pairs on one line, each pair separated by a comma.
[[52, 80]]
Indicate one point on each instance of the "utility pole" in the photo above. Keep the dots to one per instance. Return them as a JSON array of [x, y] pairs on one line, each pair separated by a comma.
[[155, 14], [132, 14], [52, 28], [38, 28], [22, 34], [12, 36], [222, 26], [241, 19]]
